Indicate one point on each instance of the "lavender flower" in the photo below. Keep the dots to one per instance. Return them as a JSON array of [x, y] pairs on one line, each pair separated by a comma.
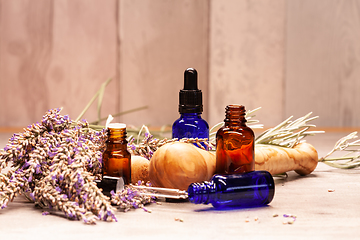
[[130, 197], [56, 162]]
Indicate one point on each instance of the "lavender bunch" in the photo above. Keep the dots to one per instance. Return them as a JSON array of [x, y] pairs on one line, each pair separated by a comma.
[[55, 163]]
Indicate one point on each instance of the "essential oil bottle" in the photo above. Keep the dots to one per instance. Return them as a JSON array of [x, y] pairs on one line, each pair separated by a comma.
[[190, 124], [251, 189], [116, 157], [234, 143]]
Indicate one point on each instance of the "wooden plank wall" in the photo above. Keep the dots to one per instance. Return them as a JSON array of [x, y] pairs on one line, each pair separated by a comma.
[[55, 54], [323, 61], [289, 57], [247, 58], [158, 41]]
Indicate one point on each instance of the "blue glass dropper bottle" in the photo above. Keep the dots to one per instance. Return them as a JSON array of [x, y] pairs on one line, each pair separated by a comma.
[[190, 124], [243, 190], [250, 189]]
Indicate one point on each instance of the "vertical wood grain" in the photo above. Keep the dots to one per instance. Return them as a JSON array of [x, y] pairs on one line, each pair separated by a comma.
[[247, 58], [159, 39], [26, 31], [55, 54], [84, 54], [289, 57], [323, 61]]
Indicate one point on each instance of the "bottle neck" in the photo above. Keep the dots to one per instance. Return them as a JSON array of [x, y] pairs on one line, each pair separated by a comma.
[[234, 115], [201, 192], [117, 135], [190, 115]]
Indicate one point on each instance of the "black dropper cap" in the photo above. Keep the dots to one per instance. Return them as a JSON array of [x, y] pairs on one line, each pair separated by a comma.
[[190, 98]]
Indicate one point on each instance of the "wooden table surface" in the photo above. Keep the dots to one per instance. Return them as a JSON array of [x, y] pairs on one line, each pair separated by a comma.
[[320, 213]]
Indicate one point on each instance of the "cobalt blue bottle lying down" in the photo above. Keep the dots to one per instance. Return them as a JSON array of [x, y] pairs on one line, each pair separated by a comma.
[[251, 189]]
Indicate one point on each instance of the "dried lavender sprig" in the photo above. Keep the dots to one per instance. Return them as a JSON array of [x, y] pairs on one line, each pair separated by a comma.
[[147, 147], [100, 94], [251, 122], [349, 160], [10, 188], [131, 197], [51, 148], [78, 197], [288, 133]]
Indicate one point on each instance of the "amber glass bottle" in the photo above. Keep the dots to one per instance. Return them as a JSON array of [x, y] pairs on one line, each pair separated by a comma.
[[116, 158], [235, 143]]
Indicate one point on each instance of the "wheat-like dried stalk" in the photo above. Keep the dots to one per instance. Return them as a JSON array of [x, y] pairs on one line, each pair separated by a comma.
[[352, 157]]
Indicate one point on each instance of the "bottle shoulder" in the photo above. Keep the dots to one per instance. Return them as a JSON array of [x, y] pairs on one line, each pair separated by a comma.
[[191, 122], [244, 130], [190, 128]]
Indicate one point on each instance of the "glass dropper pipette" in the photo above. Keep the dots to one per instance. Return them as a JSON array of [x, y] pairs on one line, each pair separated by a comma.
[[162, 192]]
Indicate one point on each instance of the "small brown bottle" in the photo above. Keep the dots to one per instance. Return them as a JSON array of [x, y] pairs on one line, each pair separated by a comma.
[[234, 143], [116, 158]]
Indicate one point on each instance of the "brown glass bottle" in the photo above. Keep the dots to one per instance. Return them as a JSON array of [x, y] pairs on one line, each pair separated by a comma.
[[116, 158], [234, 143]]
